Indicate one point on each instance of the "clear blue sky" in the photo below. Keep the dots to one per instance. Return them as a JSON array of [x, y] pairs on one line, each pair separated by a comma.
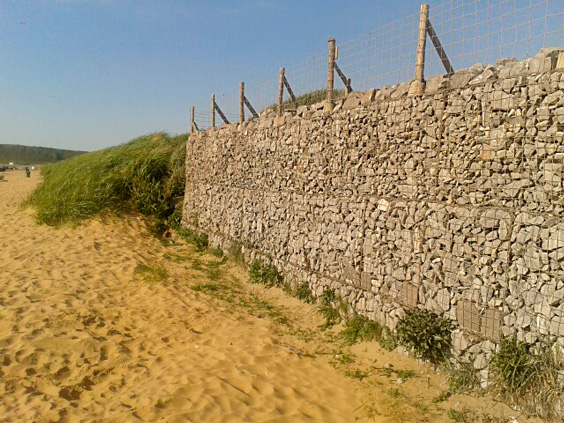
[[87, 74]]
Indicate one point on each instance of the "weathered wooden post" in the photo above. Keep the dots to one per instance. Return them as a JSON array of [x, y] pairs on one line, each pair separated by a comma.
[[192, 112], [421, 42], [419, 83], [439, 47], [242, 102], [280, 92], [330, 75], [213, 110]]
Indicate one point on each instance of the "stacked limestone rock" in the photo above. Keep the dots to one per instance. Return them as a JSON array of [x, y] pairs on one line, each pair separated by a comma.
[[451, 200]]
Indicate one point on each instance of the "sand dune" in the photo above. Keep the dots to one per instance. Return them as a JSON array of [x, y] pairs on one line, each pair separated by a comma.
[[104, 323]]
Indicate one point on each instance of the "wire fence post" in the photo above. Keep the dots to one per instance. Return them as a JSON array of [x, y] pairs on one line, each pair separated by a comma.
[[290, 91], [242, 102], [213, 111], [192, 112], [439, 48], [420, 57], [330, 75], [280, 92], [462, 33], [217, 109]]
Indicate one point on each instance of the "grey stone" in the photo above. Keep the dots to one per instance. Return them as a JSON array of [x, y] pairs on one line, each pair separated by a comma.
[[554, 241], [449, 200], [480, 362]]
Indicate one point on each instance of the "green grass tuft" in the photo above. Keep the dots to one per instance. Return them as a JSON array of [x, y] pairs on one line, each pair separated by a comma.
[[198, 239], [357, 374], [151, 274], [218, 252], [461, 416], [235, 250], [264, 273], [303, 293], [332, 308], [328, 297], [527, 375], [359, 328], [145, 175], [331, 316], [462, 377], [388, 339]]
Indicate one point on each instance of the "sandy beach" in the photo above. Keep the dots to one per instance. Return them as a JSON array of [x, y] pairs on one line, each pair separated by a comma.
[[106, 323]]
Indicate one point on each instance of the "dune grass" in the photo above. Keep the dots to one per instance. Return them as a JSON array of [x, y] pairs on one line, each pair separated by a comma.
[[144, 175], [309, 99]]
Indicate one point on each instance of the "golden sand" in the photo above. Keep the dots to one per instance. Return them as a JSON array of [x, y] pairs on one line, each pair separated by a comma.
[[104, 323]]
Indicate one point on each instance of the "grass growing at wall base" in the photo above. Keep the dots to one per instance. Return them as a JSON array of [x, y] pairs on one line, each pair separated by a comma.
[[264, 273], [144, 175], [522, 373], [359, 328], [426, 333], [198, 239], [528, 375]]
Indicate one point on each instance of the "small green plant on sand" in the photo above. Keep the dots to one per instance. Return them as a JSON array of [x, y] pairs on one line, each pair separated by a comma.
[[443, 396], [341, 358], [405, 374], [426, 333], [527, 374], [400, 373], [359, 328], [151, 274], [235, 250], [332, 308], [328, 297], [303, 293], [218, 252], [330, 315], [198, 239], [388, 339], [264, 273], [214, 273], [461, 416], [462, 377], [488, 418], [394, 392], [287, 288], [357, 374]]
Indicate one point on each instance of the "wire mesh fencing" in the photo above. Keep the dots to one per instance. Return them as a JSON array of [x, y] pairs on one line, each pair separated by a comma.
[[469, 31]]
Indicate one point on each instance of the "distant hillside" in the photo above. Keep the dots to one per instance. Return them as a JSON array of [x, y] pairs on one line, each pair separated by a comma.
[[21, 154]]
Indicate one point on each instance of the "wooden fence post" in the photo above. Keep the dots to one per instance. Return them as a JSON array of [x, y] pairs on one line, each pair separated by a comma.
[[242, 102], [290, 92], [220, 112], [213, 110], [192, 112], [330, 75], [280, 92], [438, 46], [421, 41]]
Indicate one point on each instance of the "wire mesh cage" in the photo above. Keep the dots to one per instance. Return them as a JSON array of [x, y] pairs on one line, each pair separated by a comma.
[[469, 31]]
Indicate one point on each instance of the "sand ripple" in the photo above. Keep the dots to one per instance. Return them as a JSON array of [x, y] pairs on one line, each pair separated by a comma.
[[84, 339]]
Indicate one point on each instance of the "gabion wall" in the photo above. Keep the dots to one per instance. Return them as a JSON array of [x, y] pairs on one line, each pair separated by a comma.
[[450, 201]]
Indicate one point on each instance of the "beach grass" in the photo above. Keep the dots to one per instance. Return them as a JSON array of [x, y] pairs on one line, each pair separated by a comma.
[[145, 175]]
